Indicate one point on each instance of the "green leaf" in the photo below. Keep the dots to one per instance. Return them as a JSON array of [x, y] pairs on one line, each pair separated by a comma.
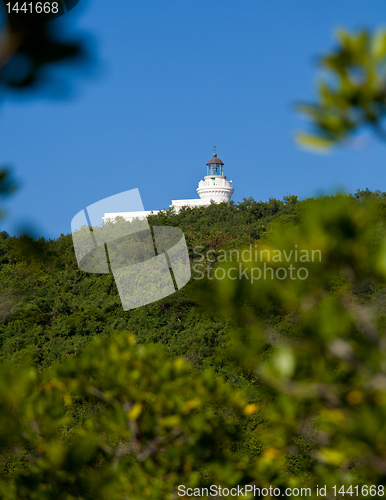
[[314, 143]]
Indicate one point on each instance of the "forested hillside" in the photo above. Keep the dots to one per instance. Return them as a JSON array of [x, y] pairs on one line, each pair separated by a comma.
[[284, 380], [50, 308]]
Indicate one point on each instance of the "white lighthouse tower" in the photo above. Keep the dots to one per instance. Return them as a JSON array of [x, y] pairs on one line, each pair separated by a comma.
[[215, 188]]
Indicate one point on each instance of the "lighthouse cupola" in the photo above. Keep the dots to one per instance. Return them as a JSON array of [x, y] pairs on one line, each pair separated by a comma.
[[214, 166], [215, 188]]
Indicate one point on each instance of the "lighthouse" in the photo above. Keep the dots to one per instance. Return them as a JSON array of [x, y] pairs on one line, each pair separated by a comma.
[[213, 189]]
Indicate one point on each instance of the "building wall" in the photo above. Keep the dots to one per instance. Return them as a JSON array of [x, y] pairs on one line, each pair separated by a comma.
[[129, 216], [213, 189]]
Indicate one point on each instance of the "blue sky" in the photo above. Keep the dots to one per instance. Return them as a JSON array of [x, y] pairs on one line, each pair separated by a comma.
[[170, 79]]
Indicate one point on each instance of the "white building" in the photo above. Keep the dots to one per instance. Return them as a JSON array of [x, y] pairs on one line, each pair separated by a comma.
[[213, 189]]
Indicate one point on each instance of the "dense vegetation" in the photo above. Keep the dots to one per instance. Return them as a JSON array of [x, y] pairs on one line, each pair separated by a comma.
[[306, 354], [50, 308]]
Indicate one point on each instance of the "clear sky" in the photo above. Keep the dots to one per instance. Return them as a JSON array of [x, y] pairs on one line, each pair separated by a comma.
[[170, 79]]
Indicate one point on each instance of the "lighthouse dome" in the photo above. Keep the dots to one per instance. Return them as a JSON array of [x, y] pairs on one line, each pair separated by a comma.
[[215, 160]]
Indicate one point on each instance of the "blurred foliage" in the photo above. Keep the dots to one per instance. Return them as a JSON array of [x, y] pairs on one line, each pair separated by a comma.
[[316, 345], [25, 56], [352, 97], [152, 425], [7, 185]]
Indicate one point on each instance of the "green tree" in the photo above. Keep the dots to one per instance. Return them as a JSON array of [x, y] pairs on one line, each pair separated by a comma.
[[150, 425]]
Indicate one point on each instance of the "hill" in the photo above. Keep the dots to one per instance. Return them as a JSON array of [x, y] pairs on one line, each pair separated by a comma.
[[50, 308], [304, 351]]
